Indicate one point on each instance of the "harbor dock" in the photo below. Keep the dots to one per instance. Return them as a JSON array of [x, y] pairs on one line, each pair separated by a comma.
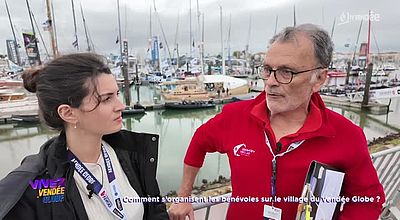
[[28, 108], [373, 107]]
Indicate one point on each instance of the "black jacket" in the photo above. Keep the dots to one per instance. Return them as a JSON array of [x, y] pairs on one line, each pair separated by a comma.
[[137, 153]]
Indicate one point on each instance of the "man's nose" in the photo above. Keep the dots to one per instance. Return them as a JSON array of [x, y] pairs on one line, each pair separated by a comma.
[[271, 81]]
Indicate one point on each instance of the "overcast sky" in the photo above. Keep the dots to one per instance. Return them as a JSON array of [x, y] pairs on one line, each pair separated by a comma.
[[102, 21]]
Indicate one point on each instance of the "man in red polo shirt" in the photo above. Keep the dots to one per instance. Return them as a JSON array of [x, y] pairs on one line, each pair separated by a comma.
[[271, 140]]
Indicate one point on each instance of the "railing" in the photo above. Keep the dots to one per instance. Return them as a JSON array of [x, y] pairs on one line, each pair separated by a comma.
[[386, 162], [387, 165], [211, 210]]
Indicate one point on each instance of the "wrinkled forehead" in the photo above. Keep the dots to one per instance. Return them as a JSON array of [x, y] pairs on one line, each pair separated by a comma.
[[294, 52]]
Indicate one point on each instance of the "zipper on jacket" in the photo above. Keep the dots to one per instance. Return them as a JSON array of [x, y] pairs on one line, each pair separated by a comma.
[[68, 175]]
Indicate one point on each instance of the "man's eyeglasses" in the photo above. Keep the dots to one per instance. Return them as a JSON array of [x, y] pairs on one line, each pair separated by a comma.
[[283, 76]]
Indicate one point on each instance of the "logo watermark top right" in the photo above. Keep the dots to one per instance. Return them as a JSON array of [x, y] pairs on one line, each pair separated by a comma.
[[347, 17]]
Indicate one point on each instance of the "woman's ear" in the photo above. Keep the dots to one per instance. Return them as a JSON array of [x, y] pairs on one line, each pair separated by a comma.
[[67, 113]]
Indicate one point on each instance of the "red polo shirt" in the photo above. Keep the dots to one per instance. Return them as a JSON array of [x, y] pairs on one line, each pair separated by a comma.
[[239, 131]]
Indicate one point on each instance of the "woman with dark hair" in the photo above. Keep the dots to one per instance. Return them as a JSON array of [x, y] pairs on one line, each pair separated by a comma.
[[92, 169]]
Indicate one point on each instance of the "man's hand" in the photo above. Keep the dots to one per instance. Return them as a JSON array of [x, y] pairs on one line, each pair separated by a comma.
[[179, 211]]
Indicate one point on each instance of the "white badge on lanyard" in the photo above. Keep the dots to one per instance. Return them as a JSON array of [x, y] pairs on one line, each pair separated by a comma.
[[272, 213]]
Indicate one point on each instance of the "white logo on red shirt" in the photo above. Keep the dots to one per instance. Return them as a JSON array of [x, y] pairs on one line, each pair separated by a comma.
[[242, 150]]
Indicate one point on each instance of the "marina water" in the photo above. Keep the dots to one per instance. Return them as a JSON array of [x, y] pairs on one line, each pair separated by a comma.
[[175, 128]]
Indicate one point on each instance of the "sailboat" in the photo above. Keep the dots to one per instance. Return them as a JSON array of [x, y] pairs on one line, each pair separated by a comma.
[[159, 68], [12, 45], [358, 94]]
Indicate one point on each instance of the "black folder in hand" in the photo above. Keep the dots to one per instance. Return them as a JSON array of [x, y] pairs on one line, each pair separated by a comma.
[[321, 193]]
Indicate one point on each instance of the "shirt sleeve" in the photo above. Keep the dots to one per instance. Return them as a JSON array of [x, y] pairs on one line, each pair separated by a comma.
[[361, 182], [208, 138]]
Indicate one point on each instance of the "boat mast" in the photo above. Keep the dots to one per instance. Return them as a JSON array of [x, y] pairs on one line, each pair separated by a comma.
[[190, 29], [150, 30], [126, 22], [52, 37], [40, 35], [123, 65], [222, 40], [176, 43], [13, 32], [351, 62], [294, 15], [276, 25], [157, 40], [76, 43], [369, 37], [54, 25], [332, 31], [119, 32], [86, 32], [248, 40], [199, 39], [202, 43], [333, 27], [151, 40], [229, 44], [355, 46], [164, 37], [369, 64], [33, 32]]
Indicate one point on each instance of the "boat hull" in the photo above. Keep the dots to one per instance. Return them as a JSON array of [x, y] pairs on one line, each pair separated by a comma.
[[189, 105]]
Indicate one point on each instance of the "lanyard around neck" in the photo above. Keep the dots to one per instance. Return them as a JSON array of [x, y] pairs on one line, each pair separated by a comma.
[[291, 147], [115, 206]]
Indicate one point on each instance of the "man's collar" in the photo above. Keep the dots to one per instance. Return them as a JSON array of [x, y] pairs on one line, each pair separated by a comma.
[[260, 110], [312, 123]]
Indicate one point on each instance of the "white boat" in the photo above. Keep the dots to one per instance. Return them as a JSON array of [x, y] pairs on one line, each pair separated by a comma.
[[238, 68], [158, 77], [389, 67], [204, 87], [382, 93], [236, 86]]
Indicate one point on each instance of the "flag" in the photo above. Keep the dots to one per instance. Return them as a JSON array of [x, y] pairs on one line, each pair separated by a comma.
[[12, 52], [29, 39], [31, 49], [117, 40], [149, 44], [46, 25]]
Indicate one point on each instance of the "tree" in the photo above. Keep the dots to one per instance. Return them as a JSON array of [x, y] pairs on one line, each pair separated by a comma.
[[236, 54]]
